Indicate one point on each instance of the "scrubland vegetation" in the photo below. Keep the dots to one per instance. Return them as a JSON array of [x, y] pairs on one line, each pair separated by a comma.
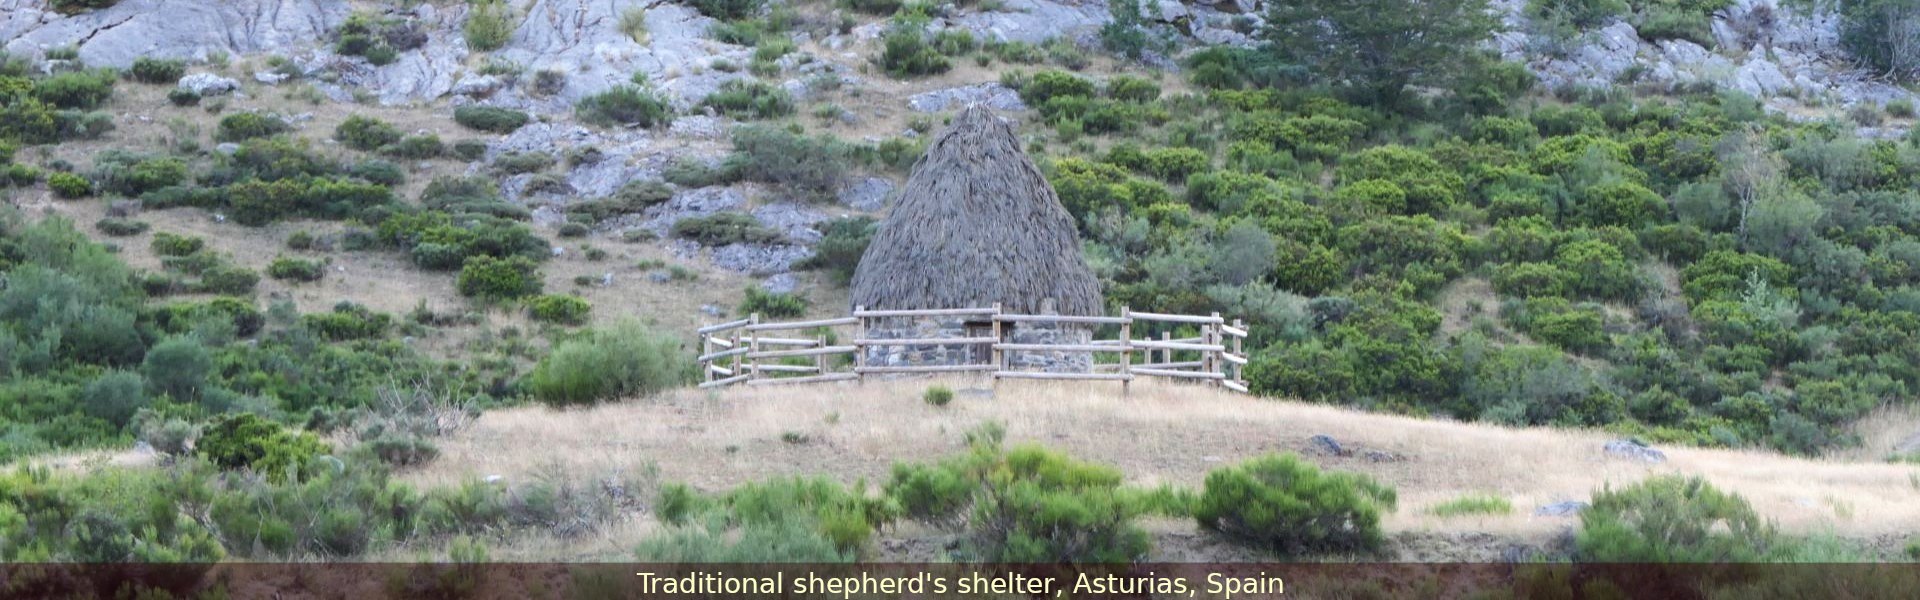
[[1681, 267]]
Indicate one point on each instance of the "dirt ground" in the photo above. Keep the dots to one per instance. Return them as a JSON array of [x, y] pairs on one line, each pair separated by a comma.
[[1155, 434]]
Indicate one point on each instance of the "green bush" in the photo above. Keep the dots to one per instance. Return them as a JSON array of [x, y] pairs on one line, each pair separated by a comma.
[[1050, 84], [517, 163], [1473, 504], [555, 308], [296, 269], [937, 395], [906, 53], [770, 304], [1132, 89], [1290, 507], [729, 10], [490, 118], [749, 99], [721, 229], [227, 280], [114, 397], [493, 278], [1673, 519], [248, 441], [416, 147], [625, 106], [168, 244], [1578, 13], [489, 25], [347, 321], [366, 133], [634, 197], [626, 359], [69, 185], [130, 174], [85, 90], [157, 70], [842, 242], [813, 168], [119, 227], [183, 97], [178, 367], [244, 126]]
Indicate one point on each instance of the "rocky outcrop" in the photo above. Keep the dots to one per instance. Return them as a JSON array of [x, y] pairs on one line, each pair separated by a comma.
[[992, 94], [582, 39], [1035, 21], [190, 29], [428, 72]]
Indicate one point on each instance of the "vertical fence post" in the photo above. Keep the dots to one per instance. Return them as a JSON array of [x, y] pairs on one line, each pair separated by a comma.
[[706, 347], [859, 347], [1166, 354], [736, 346], [753, 345], [1239, 371], [1126, 357], [995, 355], [1214, 336], [820, 360]]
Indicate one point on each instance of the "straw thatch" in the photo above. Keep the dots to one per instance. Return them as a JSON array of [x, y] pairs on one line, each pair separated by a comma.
[[977, 224]]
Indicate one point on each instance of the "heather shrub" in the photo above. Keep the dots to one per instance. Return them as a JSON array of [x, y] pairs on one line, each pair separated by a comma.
[[625, 359], [1292, 508]]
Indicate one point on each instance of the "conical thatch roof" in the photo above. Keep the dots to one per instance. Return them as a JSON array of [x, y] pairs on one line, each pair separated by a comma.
[[977, 224]]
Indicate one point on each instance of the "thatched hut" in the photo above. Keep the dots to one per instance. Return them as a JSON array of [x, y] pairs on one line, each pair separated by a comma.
[[976, 225]]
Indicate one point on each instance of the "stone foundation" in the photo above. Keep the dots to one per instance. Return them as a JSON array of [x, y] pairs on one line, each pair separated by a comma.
[[963, 354]]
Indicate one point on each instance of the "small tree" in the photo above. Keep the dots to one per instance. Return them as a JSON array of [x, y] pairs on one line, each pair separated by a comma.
[[1378, 47], [1291, 507]]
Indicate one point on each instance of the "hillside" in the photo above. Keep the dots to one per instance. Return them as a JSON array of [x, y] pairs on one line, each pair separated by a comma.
[[431, 270], [1161, 433]]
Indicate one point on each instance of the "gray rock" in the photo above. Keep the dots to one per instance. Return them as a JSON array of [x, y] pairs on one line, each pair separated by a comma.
[[793, 220], [1632, 450], [759, 259], [226, 148], [1561, 509], [582, 38], [189, 29], [692, 203], [698, 126], [1761, 78], [712, 311], [1325, 444], [867, 193], [992, 94], [1032, 21], [659, 276], [123, 208], [478, 86], [208, 84], [270, 77], [779, 284], [422, 74]]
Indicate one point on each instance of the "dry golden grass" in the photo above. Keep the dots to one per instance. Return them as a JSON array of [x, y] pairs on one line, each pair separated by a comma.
[[1159, 433]]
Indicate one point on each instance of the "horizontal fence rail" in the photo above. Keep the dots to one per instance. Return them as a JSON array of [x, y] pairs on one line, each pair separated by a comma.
[[748, 351]]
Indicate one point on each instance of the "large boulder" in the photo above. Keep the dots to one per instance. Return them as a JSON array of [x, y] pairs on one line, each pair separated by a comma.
[[191, 29], [582, 38], [425, 73], [1035, 21]]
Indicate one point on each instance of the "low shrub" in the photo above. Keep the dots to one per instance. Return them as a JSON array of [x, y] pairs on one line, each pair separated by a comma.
[[1673, 518], [490, 118], [168, 244], [634, 197], [226, 280], [244, 126], [81, 90], [626, 359], [937, 395], [1473, 504], [416, 147], [517, 163], [556, 308], [625, 106], [843, 241], [366, 133], [183, 97], [157, 70], [721, 229], [771, 304], [489, 25], [296, 269], [69, 185], [1292, 508], [249, 441], [493, 278], [750, 99], [347, 321], [119, 227], [813, 168]]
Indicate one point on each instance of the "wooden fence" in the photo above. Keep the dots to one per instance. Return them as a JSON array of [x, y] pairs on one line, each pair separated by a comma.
[[757, 353]]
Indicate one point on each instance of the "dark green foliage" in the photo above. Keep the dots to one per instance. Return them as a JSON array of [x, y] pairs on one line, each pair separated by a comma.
[[167, 244], [129, 174], [366, 133], [296, 269], [625, 106], [183, 97], [1671, 518], [178, 367], [248, 125], [634, 197], [85, 90], [725, 228], [249, 441], [815, 168], [68, 185], [626, 359], [1879, 34], [798, 519], [114, 397], [729, 10], [79, 6], [347, 321], [490, 118], [771, 304], [555, 308], [1584, 14], [750, 99], [489, 25], [516, 163], [1289, 507], [842, 242], [416, 147], [905, 51], [1050, 84], [157, 70], [1132, 89], [119, 227], [1029, 504], [1378, 47], [493, 278]]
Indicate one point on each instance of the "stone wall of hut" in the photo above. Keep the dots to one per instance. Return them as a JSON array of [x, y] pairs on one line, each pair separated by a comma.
[[963, 354]]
